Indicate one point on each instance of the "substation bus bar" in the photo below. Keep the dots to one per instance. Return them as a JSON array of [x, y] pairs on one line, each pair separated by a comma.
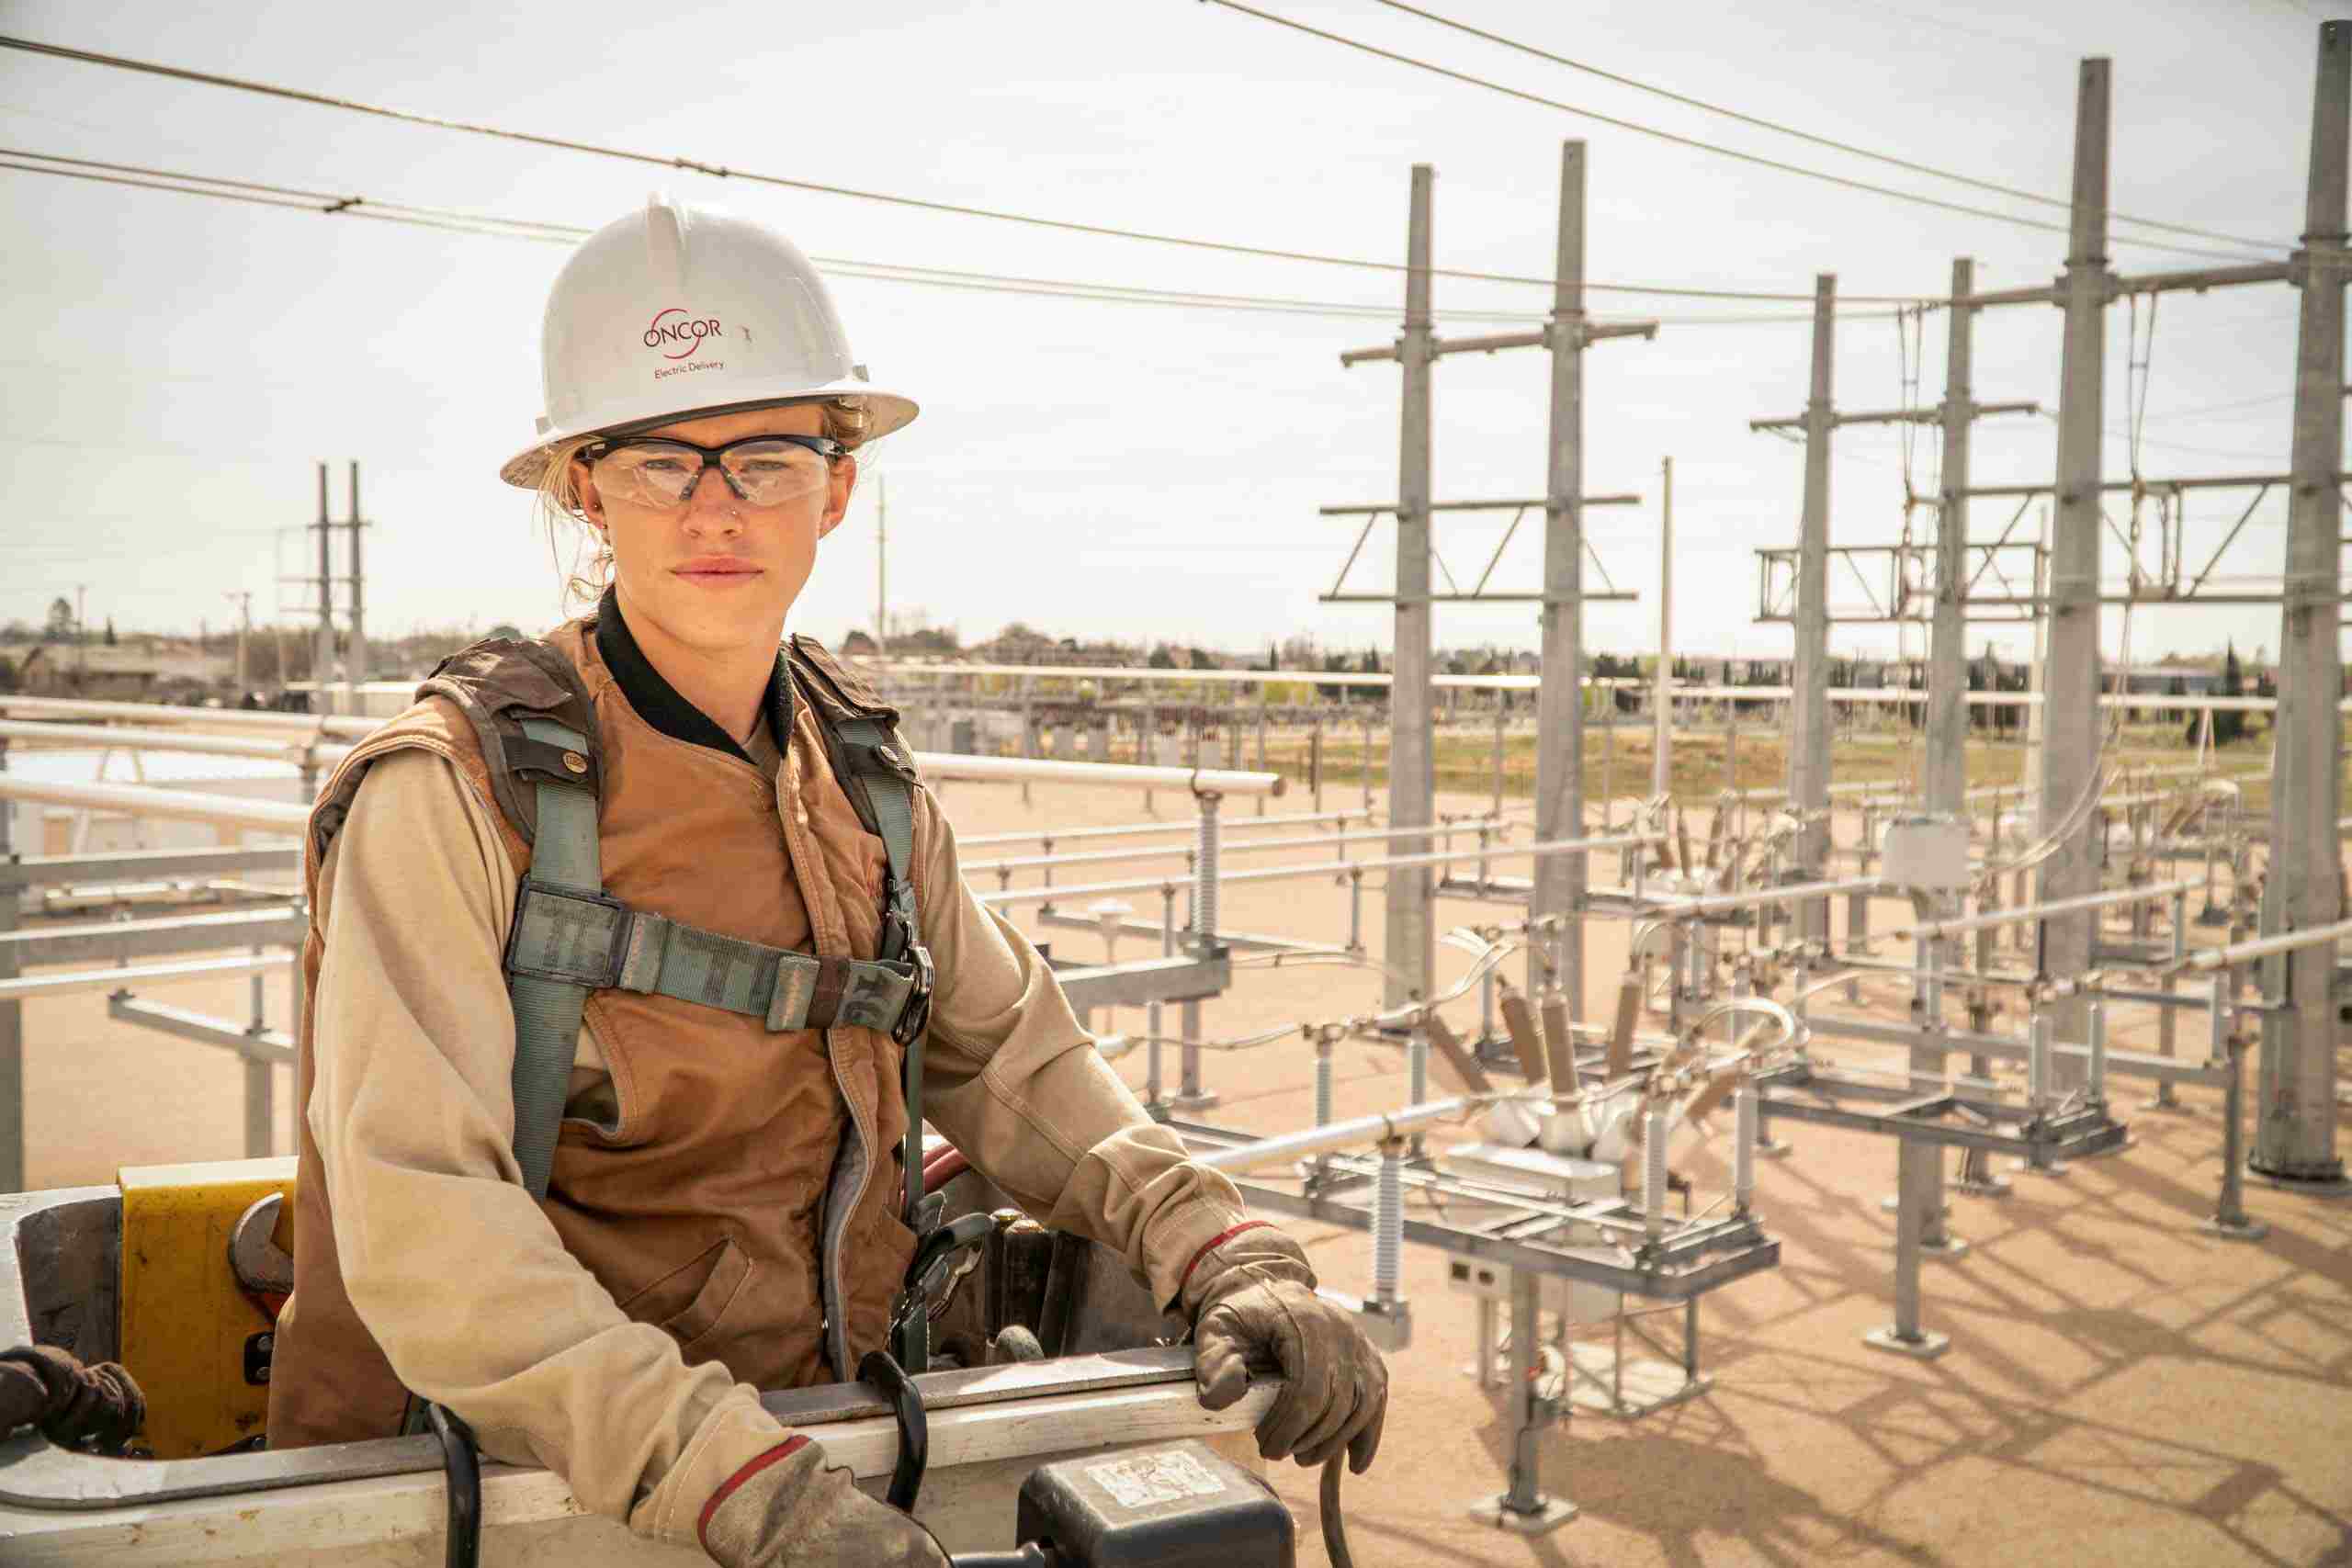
[[217, 718], [1146, 851], [300, 750], [152, 800], [1376, 1128], [1724, 903], [2264, 946], [2030, 912], [77, 981], [1313, 868]]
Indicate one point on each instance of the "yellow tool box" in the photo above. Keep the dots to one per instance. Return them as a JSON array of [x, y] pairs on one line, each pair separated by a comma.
[[197, 1342]]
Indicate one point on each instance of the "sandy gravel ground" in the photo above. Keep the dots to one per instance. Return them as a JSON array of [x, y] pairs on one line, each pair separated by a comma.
[[2121, 1388]]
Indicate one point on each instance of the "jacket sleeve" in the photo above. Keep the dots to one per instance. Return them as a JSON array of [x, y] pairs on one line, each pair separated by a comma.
[[450, 1263], [1017, 1085]]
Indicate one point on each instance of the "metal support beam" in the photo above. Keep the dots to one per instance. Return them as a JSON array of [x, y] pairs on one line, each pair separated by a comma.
[[2072, 722], [1809, 705], [1410, 948], [1947, 780], [2296, 1106], [1560, 883], [12, 1017]]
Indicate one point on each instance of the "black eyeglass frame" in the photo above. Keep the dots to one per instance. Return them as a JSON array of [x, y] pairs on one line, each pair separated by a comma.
[[825, 446]]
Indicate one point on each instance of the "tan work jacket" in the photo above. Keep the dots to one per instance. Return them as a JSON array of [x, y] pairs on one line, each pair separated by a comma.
[[616, 1332]]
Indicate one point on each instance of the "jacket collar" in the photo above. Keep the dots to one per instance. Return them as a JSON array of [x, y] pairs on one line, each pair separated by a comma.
[[659, 704]]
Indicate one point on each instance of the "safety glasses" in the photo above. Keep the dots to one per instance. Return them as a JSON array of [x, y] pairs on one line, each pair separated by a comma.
[[761, 470]]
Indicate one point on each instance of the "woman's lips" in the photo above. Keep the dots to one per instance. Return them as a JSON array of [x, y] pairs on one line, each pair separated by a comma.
[[718, 569]]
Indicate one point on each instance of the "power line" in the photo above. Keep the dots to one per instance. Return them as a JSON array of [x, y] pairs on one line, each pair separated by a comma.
[[1828, 141], [494, 226], [1757, 159], [297, 94]]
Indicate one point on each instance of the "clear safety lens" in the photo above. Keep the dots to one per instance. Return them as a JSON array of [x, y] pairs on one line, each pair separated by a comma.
[[664, 474]]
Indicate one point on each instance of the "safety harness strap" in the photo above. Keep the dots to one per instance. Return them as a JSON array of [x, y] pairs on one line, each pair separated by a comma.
[[564, 860], [588, 940]]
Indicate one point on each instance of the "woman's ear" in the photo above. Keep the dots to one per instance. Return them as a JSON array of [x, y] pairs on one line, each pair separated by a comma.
[[842, 480], [583, 486]]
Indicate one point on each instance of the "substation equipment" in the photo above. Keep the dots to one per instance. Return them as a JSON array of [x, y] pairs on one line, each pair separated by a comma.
[[1566, 1203]]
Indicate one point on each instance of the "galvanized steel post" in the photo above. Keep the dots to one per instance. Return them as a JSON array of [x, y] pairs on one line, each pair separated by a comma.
[[1560, 881], [2071, 728], [1809, 676], [2294, 1138], [1409, 947]]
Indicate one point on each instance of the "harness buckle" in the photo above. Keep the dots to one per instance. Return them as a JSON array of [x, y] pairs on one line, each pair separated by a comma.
[[916, 1016]]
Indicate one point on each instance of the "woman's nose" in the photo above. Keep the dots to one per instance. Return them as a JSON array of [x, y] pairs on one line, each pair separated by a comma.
[[713, 504]]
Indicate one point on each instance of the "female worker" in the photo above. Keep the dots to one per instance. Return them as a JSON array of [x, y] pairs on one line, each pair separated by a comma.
[[724, 1211]]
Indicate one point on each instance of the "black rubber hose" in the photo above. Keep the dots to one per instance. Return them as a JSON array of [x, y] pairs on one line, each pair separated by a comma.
[[914, 1427], [1335, 1531], [462, 1465]]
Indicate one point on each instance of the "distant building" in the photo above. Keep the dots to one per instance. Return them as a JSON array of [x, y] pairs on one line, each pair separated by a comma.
[[110, 674]]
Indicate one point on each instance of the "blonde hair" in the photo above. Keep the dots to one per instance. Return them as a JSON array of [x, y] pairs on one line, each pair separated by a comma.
[[846, 421]]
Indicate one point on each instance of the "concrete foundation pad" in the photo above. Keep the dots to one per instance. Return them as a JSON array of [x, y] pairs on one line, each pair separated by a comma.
[[1647, 1383], [1204, 1100], [1950, 1248], [1550, 1516], [1926, 1348], [1779, 1150], [2056, 1168], [1991, 1187], [2306, 1187], [2235, 1230]]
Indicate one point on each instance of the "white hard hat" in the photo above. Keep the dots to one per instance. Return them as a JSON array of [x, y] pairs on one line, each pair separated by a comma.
[[677, 311]]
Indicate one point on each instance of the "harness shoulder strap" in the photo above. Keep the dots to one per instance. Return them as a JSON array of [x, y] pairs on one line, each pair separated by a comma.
[[565, 859]]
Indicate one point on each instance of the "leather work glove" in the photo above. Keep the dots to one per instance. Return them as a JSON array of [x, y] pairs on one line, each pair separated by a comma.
[[788, 1509], [1252, 1298], [42, 1386]]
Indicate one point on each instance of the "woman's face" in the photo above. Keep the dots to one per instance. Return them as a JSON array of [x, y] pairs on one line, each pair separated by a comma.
[[717, 573]]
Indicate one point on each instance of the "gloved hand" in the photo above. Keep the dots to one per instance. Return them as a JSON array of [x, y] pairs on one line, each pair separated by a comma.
[[42, 1385], [1251, 1299], [787, 1507]]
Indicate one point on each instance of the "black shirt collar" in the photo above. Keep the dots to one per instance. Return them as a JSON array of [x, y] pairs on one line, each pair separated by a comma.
[[658, 703]]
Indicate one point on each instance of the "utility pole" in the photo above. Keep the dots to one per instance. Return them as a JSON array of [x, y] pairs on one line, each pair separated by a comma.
[[2295, 1125], [2074, 725], [1809, 673], [81, 636], [1561, 880], [1947, 780], [355, 669], [1410, 944], [323, 659], [245, 601], [1662, 719], [881, 565]]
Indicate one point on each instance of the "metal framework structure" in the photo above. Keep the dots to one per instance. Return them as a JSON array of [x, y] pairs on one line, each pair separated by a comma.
[[2296, 1136]]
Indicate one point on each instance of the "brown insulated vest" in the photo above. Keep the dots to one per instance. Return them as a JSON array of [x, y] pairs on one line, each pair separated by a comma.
[[739, 1191]]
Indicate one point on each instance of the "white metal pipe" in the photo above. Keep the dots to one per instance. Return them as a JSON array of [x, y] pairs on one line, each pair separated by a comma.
[[1375, 1128], [1720, 903], [1146, 851], [294, 749], [151, 800], [213, 719], [2261, 946], [2030, 912], [1036, 769], [77, 981], [1306, 869], [1143, 829]]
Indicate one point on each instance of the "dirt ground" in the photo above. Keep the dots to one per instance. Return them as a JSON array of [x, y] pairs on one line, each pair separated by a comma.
[[2121, 1387]]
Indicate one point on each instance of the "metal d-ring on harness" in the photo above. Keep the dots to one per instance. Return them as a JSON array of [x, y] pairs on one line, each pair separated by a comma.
[[569, 938]]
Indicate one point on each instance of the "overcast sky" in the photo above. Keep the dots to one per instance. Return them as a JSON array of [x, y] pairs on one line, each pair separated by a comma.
[[176, 365]]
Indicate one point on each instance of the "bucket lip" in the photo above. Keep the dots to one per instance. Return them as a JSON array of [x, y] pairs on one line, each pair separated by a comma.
[[36, 1475]]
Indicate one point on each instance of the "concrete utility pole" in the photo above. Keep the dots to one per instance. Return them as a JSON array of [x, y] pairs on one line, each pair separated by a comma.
[[1560, 880], [355, 671], [323, 659], [1946, 780], [1809, 677], [2074, 724], [1410, 944], [2295, 1125], [1662, 721], [245, 630]]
